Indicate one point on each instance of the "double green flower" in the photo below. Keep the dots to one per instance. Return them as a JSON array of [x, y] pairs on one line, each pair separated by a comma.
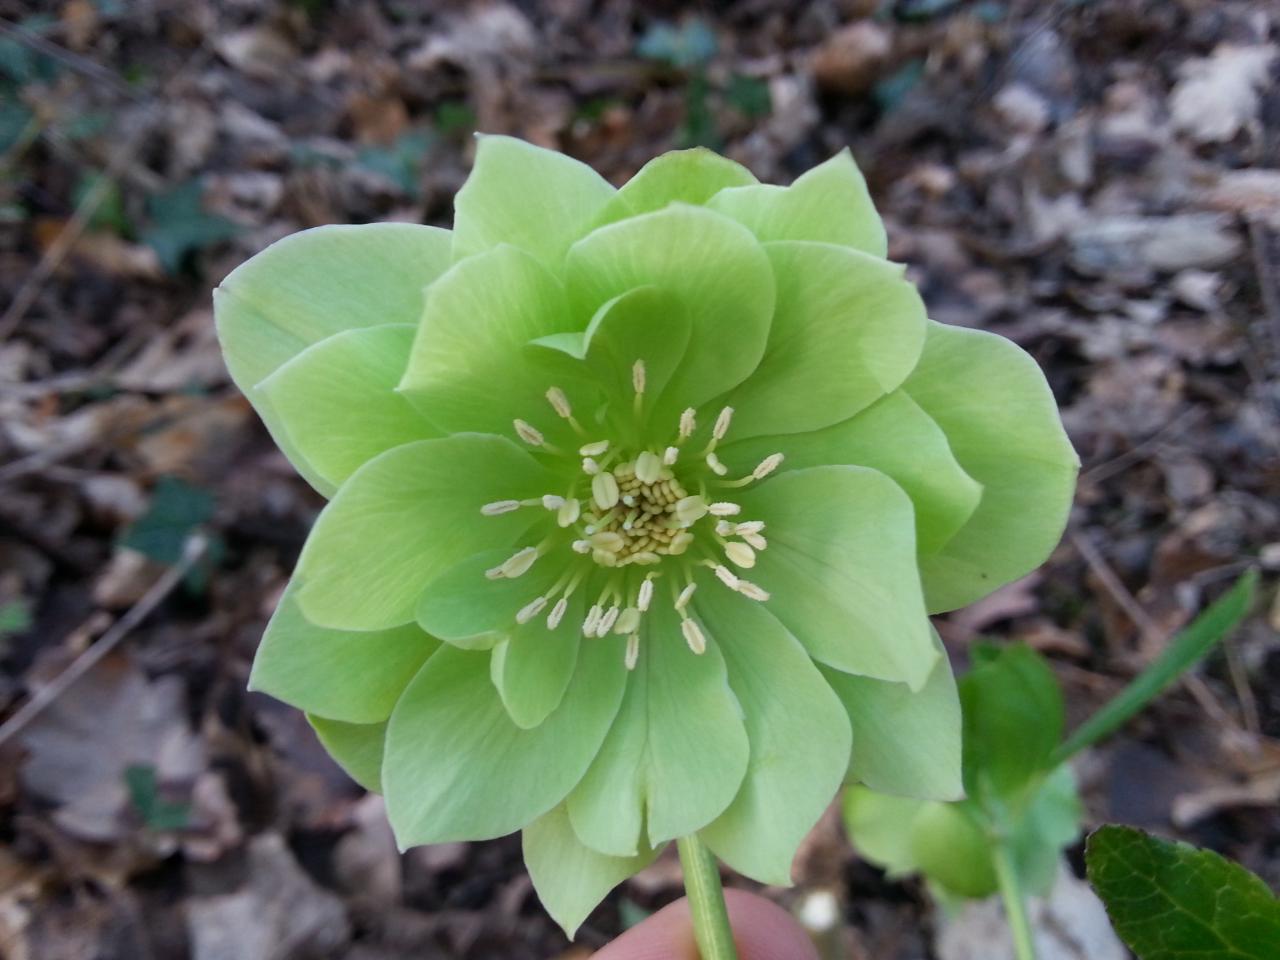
[[640, 500]]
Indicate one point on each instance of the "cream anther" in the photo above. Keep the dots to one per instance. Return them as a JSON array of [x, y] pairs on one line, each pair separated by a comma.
[[644, 558], [726, 576], [494, 573], [581, 546], [633, 651], [637, 376], [648, 466], [592, 620], [740, 554], [693, 636], [590, 467], [690, 510], [686, 595], [499, 506], [724, 528], [531, 609], [529, 434], [751, 591], [606, 558], [767, 466], [645, 596], [680, 543], [552, 502], [594, 449], [716, 466], [756, 541], [688, 423], [722, 424], [519, 562], [607, 620], [749, 526], [559, 403], [604, 490], [568, 513], [628, 621], [670, 455], [607, 540], [724, 509], [557, 613]]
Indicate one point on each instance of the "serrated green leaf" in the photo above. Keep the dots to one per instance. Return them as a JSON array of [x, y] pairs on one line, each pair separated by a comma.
[[1171, 901], [181, 226]]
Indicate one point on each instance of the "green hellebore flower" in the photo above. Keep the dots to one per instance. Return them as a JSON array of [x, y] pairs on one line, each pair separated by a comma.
[[640, 501]]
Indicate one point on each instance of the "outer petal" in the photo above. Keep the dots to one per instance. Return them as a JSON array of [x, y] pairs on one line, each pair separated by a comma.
[[357, 748], [337, 399], [880, 827], [676, 754], [469, 369], [847, 329], [532, 670], [571, 878], [904, 743], [316, 283], [684, 176], [999, 415], [841, 568], [830, 203], [402, 519], [538, 200], [336, 674], [799, 736], [897, 438], [713, 266], [459, 769]]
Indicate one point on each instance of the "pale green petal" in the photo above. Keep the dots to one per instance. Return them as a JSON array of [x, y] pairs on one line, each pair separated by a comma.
[[404, 518], [897, 438], [458, 768], [830, 203], [536, 199], [711, 265], [880, 828], [533, 668], [847, 329], [313, 284], [676, 754], [953, 851], [337, 674], [465, 608], [841, 568], [1000, 418], [337, 399], [904, 743], [571, 879], [469, 368], [685, 176], [797, 728], [356, 747]]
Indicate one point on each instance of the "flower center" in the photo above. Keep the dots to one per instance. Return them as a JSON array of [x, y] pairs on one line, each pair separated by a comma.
[[635, 509]]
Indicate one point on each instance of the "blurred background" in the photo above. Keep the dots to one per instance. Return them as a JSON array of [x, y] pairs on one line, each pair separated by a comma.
[[1097, 179]]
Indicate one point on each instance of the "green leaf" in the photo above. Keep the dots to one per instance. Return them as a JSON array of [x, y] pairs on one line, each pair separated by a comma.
[[1186, 649], [458, 768], [750, 95], [690, 44], [15, 617], [829, 204], [176, 509], [312, 285], [1170, 901], [1051, 823], [401, 163], [847, 329], [356, 747], [535, 199], [404, 518], [676, 754], [797, 729], [841, 569], [180, 225], [904, 743], [337, 400], [1013, 719], [571, 879], [336, 674], [991, 400], [469, 368], [896, 437], [711, 265], [156, 812]]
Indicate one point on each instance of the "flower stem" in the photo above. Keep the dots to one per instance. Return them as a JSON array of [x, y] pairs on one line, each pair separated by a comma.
[[706, 900], [1015, 905]]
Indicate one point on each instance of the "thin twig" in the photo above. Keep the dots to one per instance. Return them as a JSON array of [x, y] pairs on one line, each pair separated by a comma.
[[1267, 286], [1118, 464], [192, 551]]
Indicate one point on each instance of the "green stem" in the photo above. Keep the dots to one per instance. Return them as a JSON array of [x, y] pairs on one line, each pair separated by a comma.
[[1015, 906], [706, 900]]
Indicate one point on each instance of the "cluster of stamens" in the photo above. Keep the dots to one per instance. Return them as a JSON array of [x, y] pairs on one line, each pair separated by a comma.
[[635, 510]]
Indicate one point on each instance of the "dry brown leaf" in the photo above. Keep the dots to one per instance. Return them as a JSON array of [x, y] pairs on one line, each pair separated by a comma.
[[1218, 96]]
